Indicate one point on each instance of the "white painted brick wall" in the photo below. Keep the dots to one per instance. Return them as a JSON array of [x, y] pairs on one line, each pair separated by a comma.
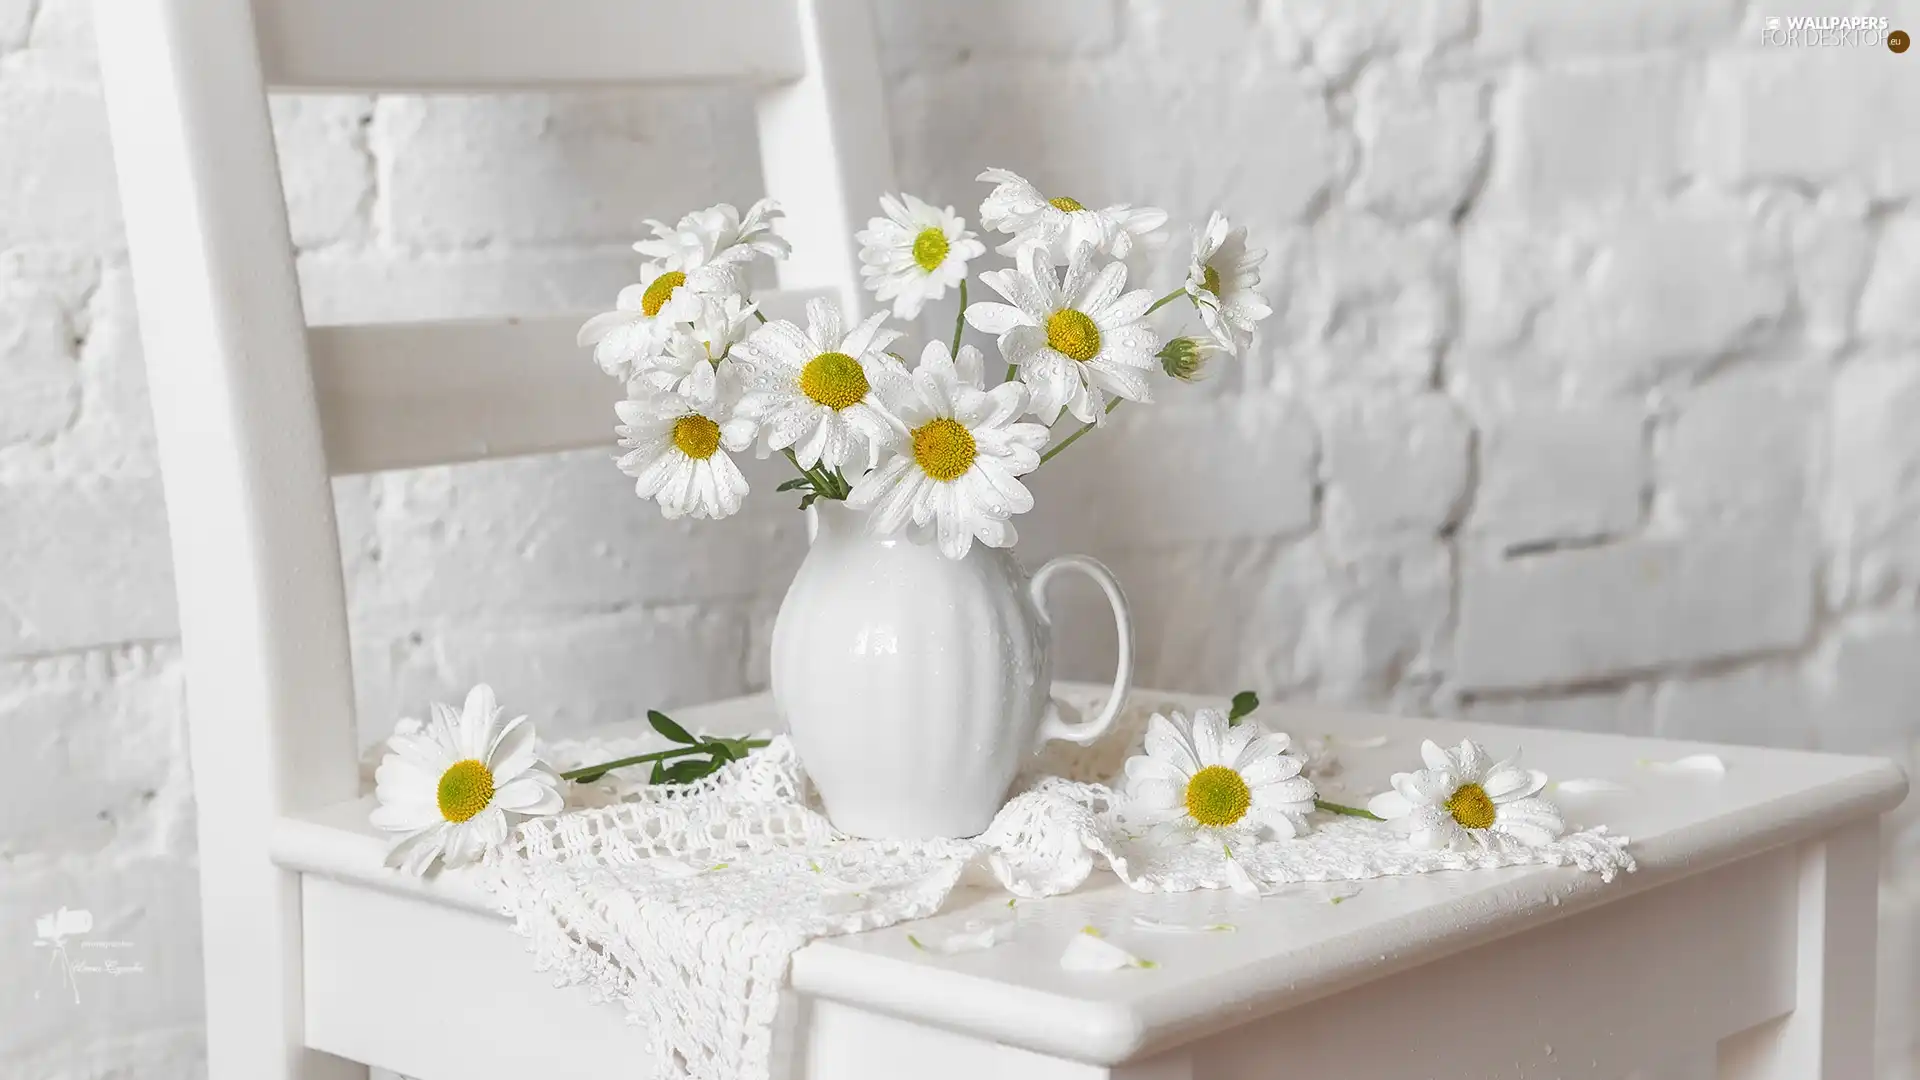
[[1589, 401]]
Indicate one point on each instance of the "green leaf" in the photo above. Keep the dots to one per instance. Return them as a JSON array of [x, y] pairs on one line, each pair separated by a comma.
[[659, 774], [807, 500], [588, 778], [665, 726], [722, 753], [1244, 702], [686, 772], [796, 482]]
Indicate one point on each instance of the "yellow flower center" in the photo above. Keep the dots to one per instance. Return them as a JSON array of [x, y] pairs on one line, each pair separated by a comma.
[[1211, 281], [1217, 796], [660, 292], [696, 436], [1062, 202], [944, 448], [930, 249], [835, 380], [1071, 333], [1471, 807], [465, 789]]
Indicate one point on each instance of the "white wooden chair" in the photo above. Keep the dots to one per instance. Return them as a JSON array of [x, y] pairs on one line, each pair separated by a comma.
[[255, 410], [1743, 948]]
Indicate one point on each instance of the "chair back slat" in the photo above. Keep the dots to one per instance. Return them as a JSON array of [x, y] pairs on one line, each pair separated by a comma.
[[402, 395], [450, 45]]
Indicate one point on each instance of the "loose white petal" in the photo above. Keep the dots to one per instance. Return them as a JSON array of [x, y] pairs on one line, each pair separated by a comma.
[[1239, 880], [1586, 786], [978, 936], [1158, 926], [1359, 742], [1085, 952], [1706, 764]]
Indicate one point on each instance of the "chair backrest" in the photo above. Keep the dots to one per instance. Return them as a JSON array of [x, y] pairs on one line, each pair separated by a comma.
[[255, 410]]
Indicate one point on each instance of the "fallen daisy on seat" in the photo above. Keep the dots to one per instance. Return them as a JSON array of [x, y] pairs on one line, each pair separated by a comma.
[[1202, 780], [451, 784], [1463, 797]]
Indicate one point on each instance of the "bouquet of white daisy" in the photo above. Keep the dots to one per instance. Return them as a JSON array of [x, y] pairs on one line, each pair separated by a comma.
[[935, 445]]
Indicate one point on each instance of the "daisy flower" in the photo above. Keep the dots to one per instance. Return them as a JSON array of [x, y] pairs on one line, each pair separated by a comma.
[[1463, 797], [717, 235], [1204, 780], [1223, 279], [961, 455], [814, 389], [1075, 341], [676, 451], [1060, 225], [915, 253], [647, 313], [452, 785], [695, 357]]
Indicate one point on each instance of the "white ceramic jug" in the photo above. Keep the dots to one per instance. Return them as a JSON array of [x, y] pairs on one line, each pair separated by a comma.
[[915, 685]]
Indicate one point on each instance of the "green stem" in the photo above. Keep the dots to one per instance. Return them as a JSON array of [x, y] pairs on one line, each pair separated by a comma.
[[758, 314], [1013, 372], [1075, 437], [1167, 299], [795, 458], [657, 755], [1348, 811], [959, 319]]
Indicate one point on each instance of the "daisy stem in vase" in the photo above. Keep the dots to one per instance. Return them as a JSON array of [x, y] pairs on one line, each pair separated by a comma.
[[594, 771], [959, 320], [1167, 299], [825, 484], [1071, 439], [1346, 811]]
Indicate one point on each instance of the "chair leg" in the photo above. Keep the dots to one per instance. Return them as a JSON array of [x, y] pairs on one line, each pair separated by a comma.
[[1829, 1033]]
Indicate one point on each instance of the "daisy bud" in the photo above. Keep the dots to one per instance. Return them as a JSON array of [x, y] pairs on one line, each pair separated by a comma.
[[1185, 358]]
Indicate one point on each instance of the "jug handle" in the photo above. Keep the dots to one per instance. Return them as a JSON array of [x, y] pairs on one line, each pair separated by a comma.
[[1052, 724]]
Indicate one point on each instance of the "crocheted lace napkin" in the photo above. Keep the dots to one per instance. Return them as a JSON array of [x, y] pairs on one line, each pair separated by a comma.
[[684, 905]]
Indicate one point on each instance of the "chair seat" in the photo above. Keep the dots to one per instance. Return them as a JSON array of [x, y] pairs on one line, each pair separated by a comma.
[[379, 944]]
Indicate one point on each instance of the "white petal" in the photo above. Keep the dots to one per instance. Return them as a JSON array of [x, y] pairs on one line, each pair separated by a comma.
[[1704, 764], [1167, 739], [529, 796], [1389, 805], [1588, 786], [1239, 880], [1085, 952], [1506, 782], [974, 938], [1209, 733], [405, 816]]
